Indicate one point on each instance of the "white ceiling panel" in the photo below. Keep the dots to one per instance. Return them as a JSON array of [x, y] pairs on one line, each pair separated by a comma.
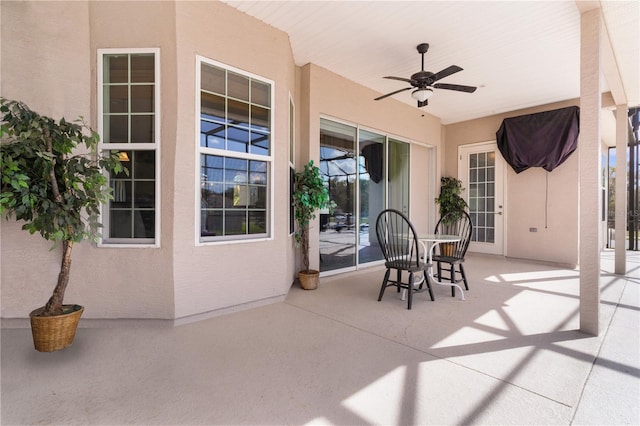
[[622, 21], [519, 53]]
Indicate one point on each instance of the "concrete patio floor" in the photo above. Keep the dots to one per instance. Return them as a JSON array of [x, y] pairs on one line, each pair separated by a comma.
[[509, 354]]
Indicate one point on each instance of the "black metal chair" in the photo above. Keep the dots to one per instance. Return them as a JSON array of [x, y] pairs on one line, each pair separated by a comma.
[[400, 247], [452, 261]]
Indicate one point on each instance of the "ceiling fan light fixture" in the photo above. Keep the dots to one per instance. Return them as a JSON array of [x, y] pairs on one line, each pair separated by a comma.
[[422, 94]]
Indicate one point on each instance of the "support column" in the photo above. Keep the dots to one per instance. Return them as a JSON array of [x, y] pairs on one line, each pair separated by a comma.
[[622, 131], [589, 151]]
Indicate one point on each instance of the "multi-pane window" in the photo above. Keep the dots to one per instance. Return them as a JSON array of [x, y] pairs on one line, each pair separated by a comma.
[[128, 122], [482, 195], [235, 123]]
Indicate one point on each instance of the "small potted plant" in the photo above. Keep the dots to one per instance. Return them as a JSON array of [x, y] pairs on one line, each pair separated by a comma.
[[309, 195], [451, 205], [56, 192]]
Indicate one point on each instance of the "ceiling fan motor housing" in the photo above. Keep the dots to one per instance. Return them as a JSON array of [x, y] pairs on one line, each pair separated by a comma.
[[422, 79]]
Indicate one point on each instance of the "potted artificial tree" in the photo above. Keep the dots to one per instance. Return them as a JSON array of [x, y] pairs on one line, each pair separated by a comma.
[[452, 205], [56, 192], [309, 195]]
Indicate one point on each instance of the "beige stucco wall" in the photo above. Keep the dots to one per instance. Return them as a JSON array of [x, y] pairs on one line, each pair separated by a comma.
[[525, 207], [528, 204], [328, 95], [51, 65], [213, 277], [178, 279], [28, 269], [182, 279]]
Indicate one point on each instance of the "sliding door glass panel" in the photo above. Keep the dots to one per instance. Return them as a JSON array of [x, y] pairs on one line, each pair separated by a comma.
[[399, 176], [371, 161], [338, 166]]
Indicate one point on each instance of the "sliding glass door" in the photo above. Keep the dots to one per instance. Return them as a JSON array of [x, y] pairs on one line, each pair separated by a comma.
[[338, 166], [371, 157], [361, 183], [399, 176]]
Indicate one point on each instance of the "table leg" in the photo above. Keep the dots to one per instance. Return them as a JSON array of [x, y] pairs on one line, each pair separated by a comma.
[[429, 273], [416, 284]]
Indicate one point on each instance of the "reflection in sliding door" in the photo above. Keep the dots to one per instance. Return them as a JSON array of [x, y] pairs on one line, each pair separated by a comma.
[[358, 166], [339, 170], [372, 199], [399, 176]]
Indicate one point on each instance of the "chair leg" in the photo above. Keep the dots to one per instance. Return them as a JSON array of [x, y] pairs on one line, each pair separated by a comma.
[[399, 279], [464, 277], [384, 284], [426, 278], [439, 276], [410, 290], [451, 278]]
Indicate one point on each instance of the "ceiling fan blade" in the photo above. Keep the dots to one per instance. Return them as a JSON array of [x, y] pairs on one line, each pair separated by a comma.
[[408, 80], [392, 93], [446, 72], [457, 87], [424, 103]]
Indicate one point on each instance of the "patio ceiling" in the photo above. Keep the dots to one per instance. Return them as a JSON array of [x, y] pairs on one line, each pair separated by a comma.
[[518, 54]]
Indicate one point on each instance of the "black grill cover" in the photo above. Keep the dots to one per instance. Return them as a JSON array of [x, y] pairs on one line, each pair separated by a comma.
[[545, 139]]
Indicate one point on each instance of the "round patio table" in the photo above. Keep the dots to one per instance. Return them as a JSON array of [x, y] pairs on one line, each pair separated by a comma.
[[433, 240]]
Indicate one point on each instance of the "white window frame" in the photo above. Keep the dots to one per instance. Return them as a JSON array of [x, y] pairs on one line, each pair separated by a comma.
[[292, 157], [131, 242], [270, 159]]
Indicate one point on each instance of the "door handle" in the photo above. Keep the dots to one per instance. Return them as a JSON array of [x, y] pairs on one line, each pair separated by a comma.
[[500, 213]]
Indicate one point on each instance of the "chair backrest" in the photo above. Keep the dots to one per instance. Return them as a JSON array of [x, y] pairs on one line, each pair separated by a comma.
[[461, 227], [398, 239]]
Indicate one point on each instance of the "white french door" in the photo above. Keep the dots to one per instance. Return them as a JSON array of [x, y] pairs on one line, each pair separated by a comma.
[[481, 170]]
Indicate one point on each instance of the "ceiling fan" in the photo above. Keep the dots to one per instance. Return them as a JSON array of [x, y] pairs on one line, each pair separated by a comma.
[[423, 81]]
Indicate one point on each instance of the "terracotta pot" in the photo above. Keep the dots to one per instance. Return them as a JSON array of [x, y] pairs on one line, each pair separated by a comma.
[[55, 332], [309, 279]]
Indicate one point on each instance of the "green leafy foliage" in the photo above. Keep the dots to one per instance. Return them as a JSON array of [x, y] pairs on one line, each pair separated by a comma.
[[450, 200], [54, 180], [309, 195], [46, 183]]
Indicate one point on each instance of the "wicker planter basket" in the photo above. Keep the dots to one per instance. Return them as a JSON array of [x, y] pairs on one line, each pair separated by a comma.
[[309, 279], [447, 249], [57, 332]]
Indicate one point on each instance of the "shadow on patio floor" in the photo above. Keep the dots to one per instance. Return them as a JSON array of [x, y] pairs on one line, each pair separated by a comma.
[[509, 354]]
